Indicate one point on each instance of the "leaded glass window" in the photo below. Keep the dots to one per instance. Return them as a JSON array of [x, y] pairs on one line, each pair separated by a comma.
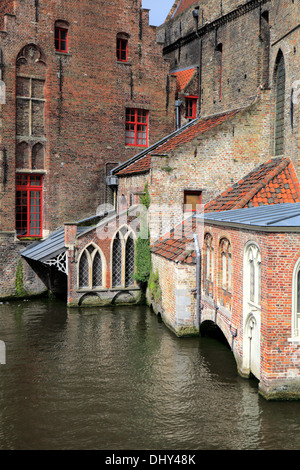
[[129, 262], [117, 262], [84, 270], [97, 270]]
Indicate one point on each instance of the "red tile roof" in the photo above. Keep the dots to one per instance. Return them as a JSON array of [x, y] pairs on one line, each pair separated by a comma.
[[183, 77], [274, 182], [183, 5], [183, 136]]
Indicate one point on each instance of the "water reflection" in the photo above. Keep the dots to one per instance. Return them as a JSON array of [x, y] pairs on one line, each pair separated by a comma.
[[119, 379]]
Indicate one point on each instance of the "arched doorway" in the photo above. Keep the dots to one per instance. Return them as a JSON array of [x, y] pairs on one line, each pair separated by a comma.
[[252, 345]]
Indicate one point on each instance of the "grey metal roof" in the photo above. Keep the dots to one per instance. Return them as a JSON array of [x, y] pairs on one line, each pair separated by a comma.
[[55, 244], [276, 217], [50, 247]]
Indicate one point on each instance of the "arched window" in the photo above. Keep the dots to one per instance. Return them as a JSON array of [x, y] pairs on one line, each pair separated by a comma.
[[22, 155], [37, 157], [84, 270], [117, 262], [279, 82], [129, 261], [224, 275], [253, 274], [91, 268], [208, 263], [123, 258], [296, 302]]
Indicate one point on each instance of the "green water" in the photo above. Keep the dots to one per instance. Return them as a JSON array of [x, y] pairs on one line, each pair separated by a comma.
[[119, 379]]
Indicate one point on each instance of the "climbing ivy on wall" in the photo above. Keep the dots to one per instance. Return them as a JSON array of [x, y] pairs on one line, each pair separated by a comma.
[[143, 263]]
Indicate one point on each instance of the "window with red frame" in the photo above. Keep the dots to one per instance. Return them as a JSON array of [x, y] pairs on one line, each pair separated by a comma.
[[191, 107], [192, 201], [136, 133], [29, 195], [122, 49], [61, 39]]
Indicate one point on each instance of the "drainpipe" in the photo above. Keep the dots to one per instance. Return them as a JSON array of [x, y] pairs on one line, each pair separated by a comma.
[[198, 255], [178, 103]]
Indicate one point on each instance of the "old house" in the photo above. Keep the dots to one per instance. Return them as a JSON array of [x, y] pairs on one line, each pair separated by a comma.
[[86, 86]]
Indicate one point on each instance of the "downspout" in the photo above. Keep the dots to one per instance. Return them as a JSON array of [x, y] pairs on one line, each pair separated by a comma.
[[178, 103], [198, 280]]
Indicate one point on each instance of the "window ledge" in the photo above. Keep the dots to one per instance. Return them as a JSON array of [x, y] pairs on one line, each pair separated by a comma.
[[64, 54], [26, 170], [120, 62]]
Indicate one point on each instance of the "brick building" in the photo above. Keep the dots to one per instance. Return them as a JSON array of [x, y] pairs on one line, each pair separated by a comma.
[[86, 88]]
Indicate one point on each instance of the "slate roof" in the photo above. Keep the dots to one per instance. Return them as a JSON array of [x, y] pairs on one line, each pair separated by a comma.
[[273, 184], [184, 135], [275, 216]]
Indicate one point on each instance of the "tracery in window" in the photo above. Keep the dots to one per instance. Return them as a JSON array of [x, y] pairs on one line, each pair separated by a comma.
[[91, 268], [123, 258]]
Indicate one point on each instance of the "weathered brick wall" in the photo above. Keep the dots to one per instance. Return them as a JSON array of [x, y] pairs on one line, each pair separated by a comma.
[[211, 163], [86, 93], [17, 279], [245, 45], [285, 36], [178, 303]]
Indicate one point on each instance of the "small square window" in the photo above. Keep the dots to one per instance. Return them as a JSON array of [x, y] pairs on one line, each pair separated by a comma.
[[191, 107], [192, 201]]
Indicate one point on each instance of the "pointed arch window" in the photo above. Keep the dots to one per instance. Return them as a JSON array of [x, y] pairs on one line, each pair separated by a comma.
[[253, 274], [91, 268], [208, 263], [123, 258], [279, 104], [225, 273], [296, 303]]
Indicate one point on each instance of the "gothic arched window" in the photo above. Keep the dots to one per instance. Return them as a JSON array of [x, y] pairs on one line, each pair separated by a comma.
[[123, 258], [91, 268], [208, 263], [279, 104], [225, 274]]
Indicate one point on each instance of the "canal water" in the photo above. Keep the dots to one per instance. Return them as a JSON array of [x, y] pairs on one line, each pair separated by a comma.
[[118, 379]]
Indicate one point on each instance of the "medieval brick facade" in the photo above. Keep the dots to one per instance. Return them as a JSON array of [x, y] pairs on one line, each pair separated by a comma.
[[69, 87]]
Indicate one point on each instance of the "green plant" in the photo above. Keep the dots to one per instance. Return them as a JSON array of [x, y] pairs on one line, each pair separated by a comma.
[[145, 198], [154, 286], [20, 289], [143, 263]]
